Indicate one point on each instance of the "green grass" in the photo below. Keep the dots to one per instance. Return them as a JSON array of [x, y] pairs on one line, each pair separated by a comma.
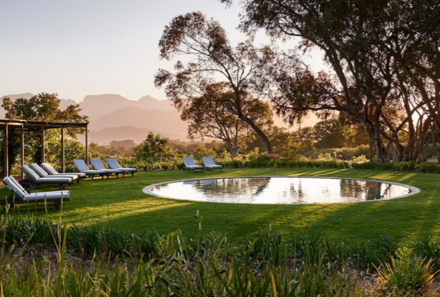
[[121, 203]]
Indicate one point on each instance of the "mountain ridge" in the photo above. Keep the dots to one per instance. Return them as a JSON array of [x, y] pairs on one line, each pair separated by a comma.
[[114, 111]]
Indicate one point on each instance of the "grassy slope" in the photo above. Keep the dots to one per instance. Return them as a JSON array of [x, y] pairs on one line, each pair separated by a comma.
[[121, 203]]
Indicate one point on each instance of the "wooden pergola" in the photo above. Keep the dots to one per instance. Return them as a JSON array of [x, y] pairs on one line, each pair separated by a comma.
[[23, 125]]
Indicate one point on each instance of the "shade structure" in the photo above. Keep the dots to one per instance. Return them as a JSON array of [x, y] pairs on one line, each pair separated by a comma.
[[23, 125]]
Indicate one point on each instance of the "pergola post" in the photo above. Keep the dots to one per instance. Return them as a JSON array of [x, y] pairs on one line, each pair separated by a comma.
[[6, 161], [63, 169], [43, 147], [87, 146], [22, 149]]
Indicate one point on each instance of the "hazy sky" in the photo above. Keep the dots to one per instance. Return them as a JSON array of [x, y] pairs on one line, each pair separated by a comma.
[[79, 48]]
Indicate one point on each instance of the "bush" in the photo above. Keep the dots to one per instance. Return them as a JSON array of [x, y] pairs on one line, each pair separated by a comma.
[[406, 274]]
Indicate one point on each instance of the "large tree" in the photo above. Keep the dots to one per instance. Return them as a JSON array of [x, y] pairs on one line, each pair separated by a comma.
[[216, 71], [212, 119], [374, 48]]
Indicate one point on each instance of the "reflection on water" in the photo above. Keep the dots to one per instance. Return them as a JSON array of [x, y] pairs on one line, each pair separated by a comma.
[[279, 190]]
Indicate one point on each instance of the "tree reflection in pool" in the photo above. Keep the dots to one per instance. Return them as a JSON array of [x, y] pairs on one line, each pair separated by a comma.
[[280, 190]]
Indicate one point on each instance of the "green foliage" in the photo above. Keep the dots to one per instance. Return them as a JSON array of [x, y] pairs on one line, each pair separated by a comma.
[[155, 148], [41, 107], [407, 273], [113, 262]]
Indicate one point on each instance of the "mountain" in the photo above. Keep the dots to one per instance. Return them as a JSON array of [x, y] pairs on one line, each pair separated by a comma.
[[97, 106], [148, 102], [157, 119], [114, 117], [123, 133]]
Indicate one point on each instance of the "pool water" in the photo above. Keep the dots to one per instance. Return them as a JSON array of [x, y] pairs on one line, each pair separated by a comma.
[[280, 190]]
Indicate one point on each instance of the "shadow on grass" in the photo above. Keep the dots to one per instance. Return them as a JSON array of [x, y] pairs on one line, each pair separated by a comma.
[[120, 202]]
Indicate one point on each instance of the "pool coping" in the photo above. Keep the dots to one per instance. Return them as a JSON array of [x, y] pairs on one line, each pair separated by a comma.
[[414, 190]]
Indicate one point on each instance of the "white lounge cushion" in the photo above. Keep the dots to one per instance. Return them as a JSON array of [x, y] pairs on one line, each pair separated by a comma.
[[42, 173], [97, 165], [51, 171], [194, 166], [45, 180], [209, 163], [47, 195], [113, 164], [82, 167], [9, 182], [54, 180], [213, 166], [189, 163], [29, 172]]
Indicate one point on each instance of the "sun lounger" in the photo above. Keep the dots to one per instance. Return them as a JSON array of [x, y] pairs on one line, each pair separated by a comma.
[[209, 164], [190, 165], [51, 171], [19, 195], [113, 164], [34, 179], [42, 173], [83, 168], [97, 165]]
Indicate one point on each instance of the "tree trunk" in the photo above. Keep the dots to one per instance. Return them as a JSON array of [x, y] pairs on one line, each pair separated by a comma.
[[371, 151], [234, 151], [376, 141], [381, 152], [257, 129]]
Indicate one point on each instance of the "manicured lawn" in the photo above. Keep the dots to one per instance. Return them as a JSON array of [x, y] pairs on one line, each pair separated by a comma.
[[121, 203]]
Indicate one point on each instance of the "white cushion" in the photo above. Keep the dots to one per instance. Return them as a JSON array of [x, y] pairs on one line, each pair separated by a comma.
[[47, 195]]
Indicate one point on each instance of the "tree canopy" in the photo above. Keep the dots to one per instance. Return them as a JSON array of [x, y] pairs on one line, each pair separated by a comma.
[[216, 72], [385, 63], [42, 107]]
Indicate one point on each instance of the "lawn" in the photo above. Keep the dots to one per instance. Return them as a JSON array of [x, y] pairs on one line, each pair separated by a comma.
[[121, 203]]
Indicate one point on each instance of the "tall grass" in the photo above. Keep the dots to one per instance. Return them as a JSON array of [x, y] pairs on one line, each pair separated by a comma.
[[44, 258]]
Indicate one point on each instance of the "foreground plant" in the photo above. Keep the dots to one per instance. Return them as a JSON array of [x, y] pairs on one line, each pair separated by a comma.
[[407, 273], [81, 261]]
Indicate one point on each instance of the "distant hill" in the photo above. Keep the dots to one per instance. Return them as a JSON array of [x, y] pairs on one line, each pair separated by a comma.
[[122, 133], [112, 112], [97, 106], [157, 119]]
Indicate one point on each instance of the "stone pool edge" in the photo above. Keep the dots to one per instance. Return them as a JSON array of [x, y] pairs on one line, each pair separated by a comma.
[[414, 190]]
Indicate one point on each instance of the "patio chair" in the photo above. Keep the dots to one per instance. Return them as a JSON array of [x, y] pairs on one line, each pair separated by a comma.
[[190, 165], [83, 168], [97, 165], [34, 179], [210, 164], [113, 164], [19, 195], [51, 171], [42, 173]]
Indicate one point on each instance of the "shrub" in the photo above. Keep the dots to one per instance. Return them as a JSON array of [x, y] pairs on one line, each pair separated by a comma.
[[406, 273]]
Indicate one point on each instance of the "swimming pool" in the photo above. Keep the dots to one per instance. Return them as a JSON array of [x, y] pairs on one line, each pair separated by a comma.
[[280, 190]]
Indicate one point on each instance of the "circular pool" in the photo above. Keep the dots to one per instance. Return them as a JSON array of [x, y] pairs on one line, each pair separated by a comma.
[[280, 190]]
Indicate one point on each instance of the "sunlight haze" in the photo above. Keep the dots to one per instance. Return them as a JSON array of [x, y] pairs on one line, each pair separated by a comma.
[[79, 48]]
